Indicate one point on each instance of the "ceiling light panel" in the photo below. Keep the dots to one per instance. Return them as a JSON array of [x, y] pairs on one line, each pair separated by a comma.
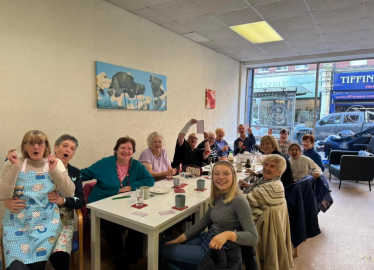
[[258, 32]]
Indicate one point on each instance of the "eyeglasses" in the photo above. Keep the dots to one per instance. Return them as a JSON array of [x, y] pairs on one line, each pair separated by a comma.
[[211, 138], [224, 174], [31, 143], [193, 138]]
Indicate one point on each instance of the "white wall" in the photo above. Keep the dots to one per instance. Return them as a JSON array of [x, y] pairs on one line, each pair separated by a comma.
[[48, 51]]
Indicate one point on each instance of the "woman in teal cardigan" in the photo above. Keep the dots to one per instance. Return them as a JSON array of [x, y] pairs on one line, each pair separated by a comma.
[[117, 174]]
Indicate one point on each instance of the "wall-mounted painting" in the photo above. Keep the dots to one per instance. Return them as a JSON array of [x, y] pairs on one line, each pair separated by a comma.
[[129, 89], [210, 99]]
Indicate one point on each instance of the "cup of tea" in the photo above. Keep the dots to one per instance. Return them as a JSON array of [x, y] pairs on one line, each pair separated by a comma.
[[200, 184], [180, 200], [239, 167], [177, 181], [146, 192]]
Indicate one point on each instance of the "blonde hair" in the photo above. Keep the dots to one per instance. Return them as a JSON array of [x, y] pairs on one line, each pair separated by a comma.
[[270, 139], [35, 135], [152, 136], [219, 129], [279, 161], [234, 189]]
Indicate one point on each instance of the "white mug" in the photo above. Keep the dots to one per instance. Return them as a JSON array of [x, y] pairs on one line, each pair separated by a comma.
[[146, 192]]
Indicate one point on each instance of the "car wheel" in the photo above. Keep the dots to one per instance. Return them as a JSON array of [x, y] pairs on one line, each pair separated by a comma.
[[300, 138]]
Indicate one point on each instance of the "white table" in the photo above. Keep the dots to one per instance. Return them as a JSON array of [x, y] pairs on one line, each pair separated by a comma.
[[120, 212]]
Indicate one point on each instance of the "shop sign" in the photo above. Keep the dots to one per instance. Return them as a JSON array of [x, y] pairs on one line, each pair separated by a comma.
[[354, 96], [354, 80]]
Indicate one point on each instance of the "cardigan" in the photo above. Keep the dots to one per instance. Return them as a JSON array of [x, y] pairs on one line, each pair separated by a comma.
[[105, 172]]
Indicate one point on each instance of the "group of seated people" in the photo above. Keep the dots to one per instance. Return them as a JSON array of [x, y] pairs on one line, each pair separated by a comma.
[[40, 191]]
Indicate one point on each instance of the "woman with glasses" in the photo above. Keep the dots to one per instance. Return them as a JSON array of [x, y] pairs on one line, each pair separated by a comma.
[[228, 218], [31, 228], [155, 158]]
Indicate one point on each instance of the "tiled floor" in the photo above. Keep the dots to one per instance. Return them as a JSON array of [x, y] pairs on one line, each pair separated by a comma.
[[346, 241]]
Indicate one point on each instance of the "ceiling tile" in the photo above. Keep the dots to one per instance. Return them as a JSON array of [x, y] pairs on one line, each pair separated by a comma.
[[127, 4], [282, 53], [369, 43], [339, 27], [223, 50], [178, 10], [341, 45], [241, 16], [247, 49], [299, 33], [218, 6], [316, 5], [369, 33], [202, 23], [282, 9], [369, 9], [195, 37], [219, 34], [310, 47], [317, 52], [338, 15], [345, 49], [261, 2], [234, 42], [278, 45], [152, 16], [258, 57], [150, 3], [352, 35], [291, 23], [211, 44], [176, 27], [369, 22], [306, 40]]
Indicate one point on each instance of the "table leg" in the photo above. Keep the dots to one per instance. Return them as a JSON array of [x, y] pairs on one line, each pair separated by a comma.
[[153, 237], [95, 241], [199, 214]]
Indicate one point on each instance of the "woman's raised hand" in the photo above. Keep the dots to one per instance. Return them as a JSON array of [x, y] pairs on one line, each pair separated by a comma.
[[12, 157], [52, 162]]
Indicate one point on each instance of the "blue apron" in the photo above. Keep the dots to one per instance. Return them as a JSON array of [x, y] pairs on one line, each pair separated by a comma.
[[29, 236]]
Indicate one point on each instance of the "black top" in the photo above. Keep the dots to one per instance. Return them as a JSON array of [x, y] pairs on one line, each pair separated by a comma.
[[77, 201], [213, 156], [184, 154]]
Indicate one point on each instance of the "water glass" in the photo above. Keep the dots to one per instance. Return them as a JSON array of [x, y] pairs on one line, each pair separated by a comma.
[[139, 196]]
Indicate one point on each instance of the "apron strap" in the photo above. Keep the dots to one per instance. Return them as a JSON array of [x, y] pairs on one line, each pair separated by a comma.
[[24, 165], [46, 166]]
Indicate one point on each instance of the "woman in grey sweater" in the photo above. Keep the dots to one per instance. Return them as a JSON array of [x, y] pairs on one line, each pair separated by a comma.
[[229, 218]]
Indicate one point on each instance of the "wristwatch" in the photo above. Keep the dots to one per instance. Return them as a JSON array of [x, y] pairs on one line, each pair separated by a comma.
[[206, 140]]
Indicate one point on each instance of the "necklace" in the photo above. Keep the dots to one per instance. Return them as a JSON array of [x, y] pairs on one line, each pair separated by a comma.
[[125, 176]]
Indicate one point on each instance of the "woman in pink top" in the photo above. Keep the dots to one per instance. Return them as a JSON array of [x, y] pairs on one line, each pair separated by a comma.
[[155, 158]]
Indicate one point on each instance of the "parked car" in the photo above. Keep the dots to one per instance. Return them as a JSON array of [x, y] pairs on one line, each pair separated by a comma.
[[334, 123], [258, 131]]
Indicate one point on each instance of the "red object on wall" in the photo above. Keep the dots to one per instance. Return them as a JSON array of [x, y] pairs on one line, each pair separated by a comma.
[[210, 99]]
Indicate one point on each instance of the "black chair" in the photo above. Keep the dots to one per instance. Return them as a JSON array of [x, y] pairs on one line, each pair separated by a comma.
[[348, 165]]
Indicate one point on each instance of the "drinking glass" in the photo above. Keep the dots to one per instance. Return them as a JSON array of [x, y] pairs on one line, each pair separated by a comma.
[[139, 196]]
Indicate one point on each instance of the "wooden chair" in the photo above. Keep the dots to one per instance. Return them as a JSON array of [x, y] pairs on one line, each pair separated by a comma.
[[80, 240]]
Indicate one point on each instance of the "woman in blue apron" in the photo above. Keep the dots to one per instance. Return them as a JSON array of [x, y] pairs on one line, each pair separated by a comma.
[[31, 229]]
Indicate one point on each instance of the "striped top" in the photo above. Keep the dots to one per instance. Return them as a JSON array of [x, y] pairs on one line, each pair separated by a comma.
[[268, 194]]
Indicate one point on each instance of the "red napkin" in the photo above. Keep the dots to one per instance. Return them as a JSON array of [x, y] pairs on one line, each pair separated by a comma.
[[179, 190], [181, 186], [200, 189], [180, 209], [139, 207]]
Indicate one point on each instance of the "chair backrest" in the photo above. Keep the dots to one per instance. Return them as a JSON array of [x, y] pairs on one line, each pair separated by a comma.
[[371, 145], [274, 248]]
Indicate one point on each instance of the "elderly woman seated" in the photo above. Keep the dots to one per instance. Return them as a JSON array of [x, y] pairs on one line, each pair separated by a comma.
[[155, 158], [268, 191]]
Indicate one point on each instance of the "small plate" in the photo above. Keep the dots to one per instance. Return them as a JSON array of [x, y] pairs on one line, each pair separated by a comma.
[[159, 190]]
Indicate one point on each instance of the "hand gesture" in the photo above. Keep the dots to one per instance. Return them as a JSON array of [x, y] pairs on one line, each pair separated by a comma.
[[243, 183], [270, 132], [193, 121], [225, 148], [54, 198], [12, 156], [206, 136], [52, 162], [180, 239], [249, 131], [240, 144], [170, 172], [218, 241], [15, 204], [316, 175], [124, 189]]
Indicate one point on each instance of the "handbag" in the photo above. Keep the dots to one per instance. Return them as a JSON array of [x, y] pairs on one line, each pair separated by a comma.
[[195, 171]]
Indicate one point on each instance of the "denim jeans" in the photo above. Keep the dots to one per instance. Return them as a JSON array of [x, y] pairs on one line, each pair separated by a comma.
[[187, 255]]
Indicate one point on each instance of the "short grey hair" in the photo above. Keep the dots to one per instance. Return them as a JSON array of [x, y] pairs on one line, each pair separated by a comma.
[[66, 137], [279, 161], [152, 136]]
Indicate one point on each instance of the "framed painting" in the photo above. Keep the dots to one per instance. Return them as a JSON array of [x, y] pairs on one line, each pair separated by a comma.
[[129, 89], [210, 99]]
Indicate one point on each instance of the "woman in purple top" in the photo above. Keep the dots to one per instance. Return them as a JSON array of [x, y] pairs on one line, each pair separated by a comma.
[[223, 149], [155, 158]]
